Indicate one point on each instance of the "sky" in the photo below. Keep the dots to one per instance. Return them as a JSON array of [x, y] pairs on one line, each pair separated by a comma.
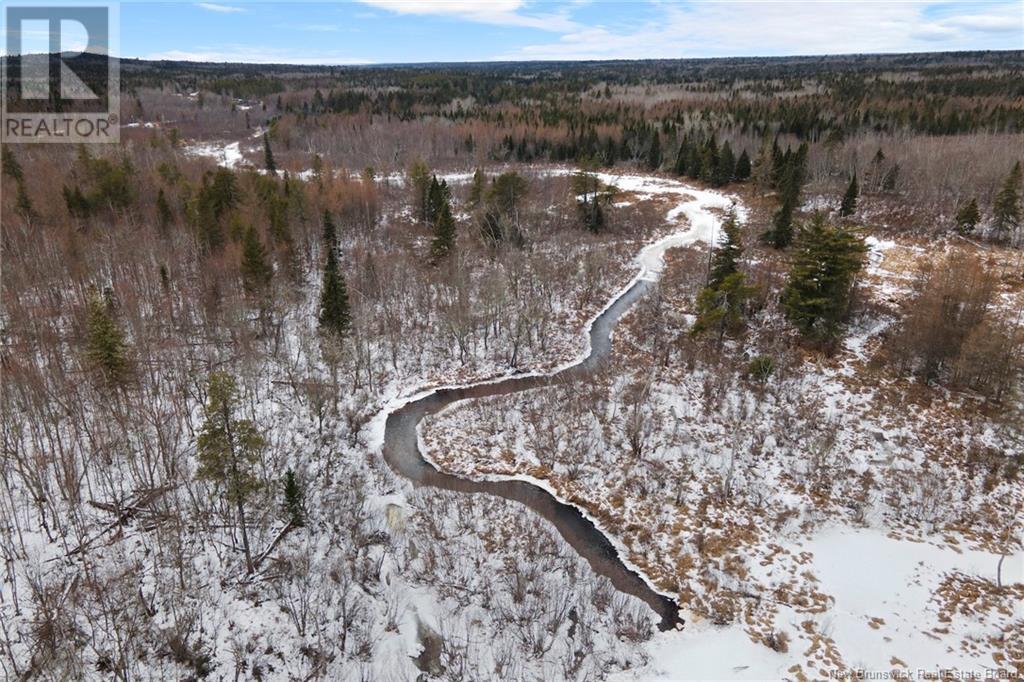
[[403, 31]]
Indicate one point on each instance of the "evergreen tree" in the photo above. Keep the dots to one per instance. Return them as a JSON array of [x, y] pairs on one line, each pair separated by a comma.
[[277, 217], [779, 163], [268, 156], [164, 214], [682, 155], [654, 152], [967, 217], [256, 269], [330, 232], [694, 159], [788, 172], [106, 350], [762, 170], [1006, 208], [505, 193], [10, 166], [476, 189], [228, 449], [709, 161], [725, 169], [876, 177], [419, 178], [444, 233], [218, 194], [23, 203], [721, 308], [849, 204], [726, 258], [437, 195], [77, 203], [743, 169], [721, 303], [165, 279], [820, 283], [12, 169], [780, 235], [890, 178], [294, 502], [335, 318]]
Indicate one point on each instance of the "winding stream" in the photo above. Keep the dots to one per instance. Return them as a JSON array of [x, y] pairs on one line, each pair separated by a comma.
[[401, 449]]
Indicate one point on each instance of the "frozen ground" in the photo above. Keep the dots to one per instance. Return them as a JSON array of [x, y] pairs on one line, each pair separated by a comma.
[[811, 527]]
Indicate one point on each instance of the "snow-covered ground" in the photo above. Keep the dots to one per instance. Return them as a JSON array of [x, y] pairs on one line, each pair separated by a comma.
[[355, 593], [812, 528]]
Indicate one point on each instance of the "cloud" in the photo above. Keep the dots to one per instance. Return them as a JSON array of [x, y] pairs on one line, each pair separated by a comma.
[[496, 12], [254, 54], [222, 9], [989, 22], [787, 28]]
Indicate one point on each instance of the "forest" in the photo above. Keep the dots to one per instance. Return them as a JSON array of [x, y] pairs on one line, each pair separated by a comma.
[[206, 327]]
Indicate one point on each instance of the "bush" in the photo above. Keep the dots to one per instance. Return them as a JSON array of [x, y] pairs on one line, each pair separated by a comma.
[[760, 368], [778, 642]]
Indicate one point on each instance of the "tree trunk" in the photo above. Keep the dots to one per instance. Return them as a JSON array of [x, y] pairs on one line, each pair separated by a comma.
[[245, 536]]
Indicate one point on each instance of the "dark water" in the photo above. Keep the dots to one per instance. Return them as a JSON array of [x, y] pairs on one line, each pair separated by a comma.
[[402, 453]]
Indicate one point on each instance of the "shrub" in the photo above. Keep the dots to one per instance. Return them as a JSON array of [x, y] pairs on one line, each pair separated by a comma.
[[760, 368]]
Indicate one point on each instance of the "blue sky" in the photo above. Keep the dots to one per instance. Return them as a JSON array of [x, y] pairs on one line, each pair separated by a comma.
[[388, 31]]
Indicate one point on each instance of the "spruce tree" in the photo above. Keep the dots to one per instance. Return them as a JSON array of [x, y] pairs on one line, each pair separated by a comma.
[[820, 283], [682, 155], [720, 308], [725, 169], [330, 231], [277, 216], [726, 258], [334, 318], [780, 235], [505, 194], [762, 170], [743, 169], [654, 152], [890, 178], [476, 189], [77, 203], [106, 349], [694, 159], [419, 178], [444, 233], [1006, 208], [721, 303], [967, 217], [437, 194], [163, 211], [228, 449], [293, 506], [788, 173], [849, 204], [9, 165], [23, 203], [876, 176], [709, 161], [256, 268], [268, 156]]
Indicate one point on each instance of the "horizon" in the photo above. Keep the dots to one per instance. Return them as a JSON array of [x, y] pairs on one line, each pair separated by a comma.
[[427, 64], [402, 32]]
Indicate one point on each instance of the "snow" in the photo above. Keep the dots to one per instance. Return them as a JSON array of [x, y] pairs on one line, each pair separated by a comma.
[[227, 155], [856, 596], [871, 574], [706, 652]]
